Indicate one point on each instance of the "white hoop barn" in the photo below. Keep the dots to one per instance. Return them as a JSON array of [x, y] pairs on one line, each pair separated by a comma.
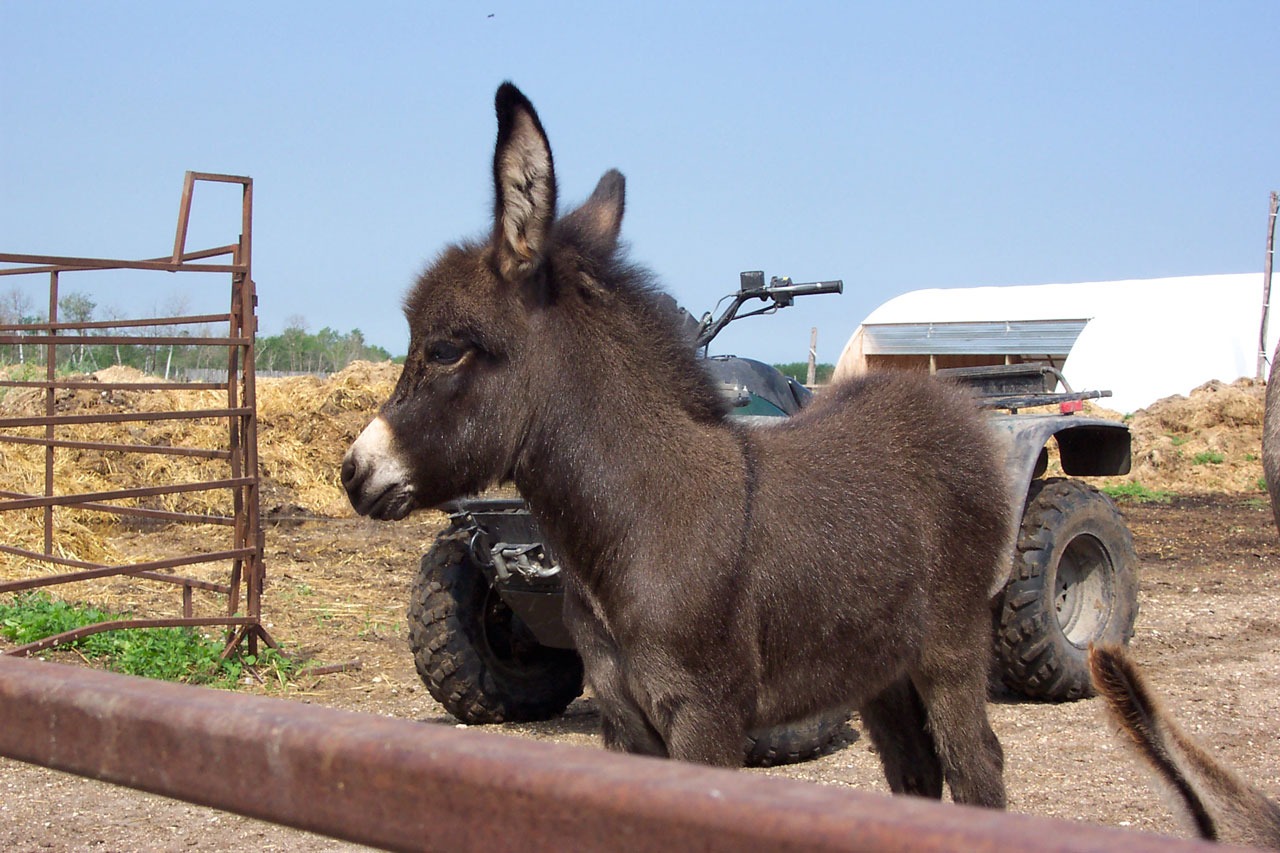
[[1142, 340]]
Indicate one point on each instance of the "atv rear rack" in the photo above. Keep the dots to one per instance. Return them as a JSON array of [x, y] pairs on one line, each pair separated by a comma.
[[1021, 386]]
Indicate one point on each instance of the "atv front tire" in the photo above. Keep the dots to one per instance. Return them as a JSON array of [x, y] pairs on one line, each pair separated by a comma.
[[474, 655], [1074, 582]]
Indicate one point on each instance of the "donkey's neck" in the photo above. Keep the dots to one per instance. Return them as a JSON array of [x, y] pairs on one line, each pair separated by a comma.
[[627, 469]]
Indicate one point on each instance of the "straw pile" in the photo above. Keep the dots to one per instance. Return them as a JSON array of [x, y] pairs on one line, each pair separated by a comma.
[[305, 425]]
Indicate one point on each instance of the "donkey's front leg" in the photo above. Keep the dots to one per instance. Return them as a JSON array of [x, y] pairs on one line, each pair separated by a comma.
[[705, 732], [624, 726], [626, 730]]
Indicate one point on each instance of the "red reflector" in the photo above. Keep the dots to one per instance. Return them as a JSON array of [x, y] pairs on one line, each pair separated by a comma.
[[1070, 406]]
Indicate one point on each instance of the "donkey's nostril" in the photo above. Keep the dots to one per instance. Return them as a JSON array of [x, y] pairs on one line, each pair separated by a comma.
[[348, 471]]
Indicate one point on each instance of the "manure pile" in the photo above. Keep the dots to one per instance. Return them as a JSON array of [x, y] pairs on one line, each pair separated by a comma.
[[1209, 441]]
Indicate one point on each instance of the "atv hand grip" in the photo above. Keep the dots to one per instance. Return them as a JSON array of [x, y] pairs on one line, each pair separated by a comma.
[[806, 288]]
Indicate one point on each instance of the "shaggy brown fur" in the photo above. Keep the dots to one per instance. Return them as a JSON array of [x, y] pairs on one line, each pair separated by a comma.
[[1219, 805], [718, 580]]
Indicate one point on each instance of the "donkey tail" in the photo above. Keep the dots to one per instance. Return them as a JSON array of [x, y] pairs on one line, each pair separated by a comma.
[[1220, 805]]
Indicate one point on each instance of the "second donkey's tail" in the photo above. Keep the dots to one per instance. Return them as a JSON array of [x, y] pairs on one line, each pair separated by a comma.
[[1220, 805]]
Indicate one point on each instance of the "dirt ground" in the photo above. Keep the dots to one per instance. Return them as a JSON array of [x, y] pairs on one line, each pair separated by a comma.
[[1208, 634]]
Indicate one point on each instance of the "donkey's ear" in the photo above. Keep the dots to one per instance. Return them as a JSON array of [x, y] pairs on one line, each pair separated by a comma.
[[524, 180], [600, 217]]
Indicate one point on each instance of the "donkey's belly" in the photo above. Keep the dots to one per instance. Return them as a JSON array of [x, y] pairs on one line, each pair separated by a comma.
[[837, 662]]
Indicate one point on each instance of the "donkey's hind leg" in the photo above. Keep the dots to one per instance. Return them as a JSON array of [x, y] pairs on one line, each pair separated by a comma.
[[895, 719], [954, 692]]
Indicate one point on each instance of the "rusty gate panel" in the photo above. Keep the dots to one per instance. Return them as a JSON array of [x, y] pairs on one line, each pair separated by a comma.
[[405, 785], [242, 552]]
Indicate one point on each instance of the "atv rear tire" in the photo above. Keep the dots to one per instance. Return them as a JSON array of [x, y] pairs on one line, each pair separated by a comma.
[[797, 742], [475, 656], [1074, 582]]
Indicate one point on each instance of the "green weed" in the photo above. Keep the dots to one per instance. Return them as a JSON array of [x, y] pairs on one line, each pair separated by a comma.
[[171, 654], [1137, 493], [1208, 457]]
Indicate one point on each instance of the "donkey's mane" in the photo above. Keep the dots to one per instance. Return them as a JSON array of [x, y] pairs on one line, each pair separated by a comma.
[[624, 300]]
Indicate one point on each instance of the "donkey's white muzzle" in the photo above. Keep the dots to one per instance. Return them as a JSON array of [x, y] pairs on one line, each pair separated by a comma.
[[375, 475]]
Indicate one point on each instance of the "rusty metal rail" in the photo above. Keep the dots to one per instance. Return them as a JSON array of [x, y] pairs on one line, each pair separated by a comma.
[[239, 454], [404, 785]]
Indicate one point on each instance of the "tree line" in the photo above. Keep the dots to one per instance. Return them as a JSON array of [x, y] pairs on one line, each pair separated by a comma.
[[799, 371], [294, 350], [326, 351]]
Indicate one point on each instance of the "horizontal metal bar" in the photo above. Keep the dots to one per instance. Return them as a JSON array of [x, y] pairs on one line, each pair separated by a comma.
[[80, 385], [121, 625], [145, 322], [221, 178], [57, 263], [96, 570], [160, 514], [51, 559], [201, 452], [179, 580], [200, 254], [131, 340], [150, 491], [138, 511], [124, 417], [405, 785]]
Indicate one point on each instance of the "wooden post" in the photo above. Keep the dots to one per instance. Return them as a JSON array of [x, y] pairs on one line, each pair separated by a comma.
[[1266, 285], [813, 357]]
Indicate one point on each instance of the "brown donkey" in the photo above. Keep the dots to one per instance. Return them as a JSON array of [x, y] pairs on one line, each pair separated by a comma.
[[1219, 804], [718, 580]]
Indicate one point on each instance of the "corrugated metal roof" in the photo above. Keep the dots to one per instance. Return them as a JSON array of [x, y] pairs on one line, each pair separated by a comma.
[[1001, 337]]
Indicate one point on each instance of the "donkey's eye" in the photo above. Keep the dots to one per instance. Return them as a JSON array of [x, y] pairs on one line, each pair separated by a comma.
[[443, 352]]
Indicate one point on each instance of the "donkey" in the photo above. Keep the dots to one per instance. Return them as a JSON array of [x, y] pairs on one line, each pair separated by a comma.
[[718, 580], [1219, 805]]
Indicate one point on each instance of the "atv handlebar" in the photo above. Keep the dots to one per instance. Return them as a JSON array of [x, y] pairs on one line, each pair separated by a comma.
[[779, 292], [782, 291]]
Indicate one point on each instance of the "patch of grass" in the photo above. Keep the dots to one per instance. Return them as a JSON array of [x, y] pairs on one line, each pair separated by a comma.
[[171, 654], [1208, 457], [1137, 493], [1251, 457], [1178, 440], [1261, 484]]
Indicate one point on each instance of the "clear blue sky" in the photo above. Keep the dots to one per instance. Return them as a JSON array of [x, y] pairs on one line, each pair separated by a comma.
[[894, 145]]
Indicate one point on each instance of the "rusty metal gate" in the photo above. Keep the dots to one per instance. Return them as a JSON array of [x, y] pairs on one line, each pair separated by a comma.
[[404, 785], [46, 563]]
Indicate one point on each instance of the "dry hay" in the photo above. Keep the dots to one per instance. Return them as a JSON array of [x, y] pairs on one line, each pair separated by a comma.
[[305, 425]]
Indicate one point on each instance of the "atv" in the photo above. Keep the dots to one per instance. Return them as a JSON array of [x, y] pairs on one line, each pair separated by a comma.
[[485, 621]]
